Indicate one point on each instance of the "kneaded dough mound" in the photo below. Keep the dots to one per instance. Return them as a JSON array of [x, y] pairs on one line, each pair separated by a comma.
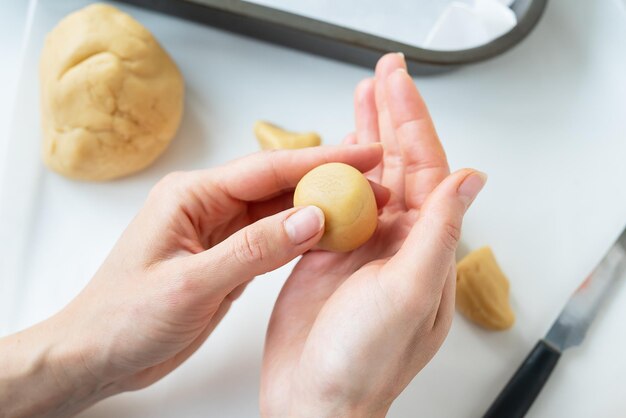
[[111, 97]]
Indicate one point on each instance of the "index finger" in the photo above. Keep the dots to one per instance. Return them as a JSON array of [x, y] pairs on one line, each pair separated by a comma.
[[265, 174], [424, 158]]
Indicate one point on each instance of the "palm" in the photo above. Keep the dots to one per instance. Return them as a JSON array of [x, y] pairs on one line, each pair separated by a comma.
[[333, 270], [326, 288], [393, 226], [196, 318]]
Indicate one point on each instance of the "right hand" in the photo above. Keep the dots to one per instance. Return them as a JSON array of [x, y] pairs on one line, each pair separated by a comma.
[[349, 331], [170, 279]]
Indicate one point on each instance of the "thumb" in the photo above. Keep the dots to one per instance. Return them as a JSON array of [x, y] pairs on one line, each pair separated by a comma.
[[434, 237], [262, 246]]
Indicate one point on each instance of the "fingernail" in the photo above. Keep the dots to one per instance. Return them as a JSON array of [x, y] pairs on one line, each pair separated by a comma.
[[399, 75], [403, 58], [304, 224], [472, 185]]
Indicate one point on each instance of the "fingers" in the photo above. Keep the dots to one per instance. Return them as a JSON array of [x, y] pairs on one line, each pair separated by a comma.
[[393, 166], [425, 163], [265, 174], [366, 120], [365, 112], [419, 269], [258, 248], [381, 194]]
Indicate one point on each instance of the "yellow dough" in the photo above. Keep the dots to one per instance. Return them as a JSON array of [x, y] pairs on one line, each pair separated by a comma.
[[111, 97], [347, 200], [482, 291], [271, 136]]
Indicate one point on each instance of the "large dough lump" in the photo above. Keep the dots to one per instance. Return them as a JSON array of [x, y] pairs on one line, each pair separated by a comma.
[[111, 97], [347, 200]]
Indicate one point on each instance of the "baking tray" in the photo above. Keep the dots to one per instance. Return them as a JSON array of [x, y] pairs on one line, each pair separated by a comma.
[[340, 42], [545, 121]]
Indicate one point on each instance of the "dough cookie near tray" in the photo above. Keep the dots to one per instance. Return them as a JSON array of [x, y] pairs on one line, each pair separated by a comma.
[[111, 97]]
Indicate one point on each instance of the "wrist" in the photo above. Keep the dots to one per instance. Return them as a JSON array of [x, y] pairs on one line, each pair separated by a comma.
[[338, 409], [42, 373], [340, 412]]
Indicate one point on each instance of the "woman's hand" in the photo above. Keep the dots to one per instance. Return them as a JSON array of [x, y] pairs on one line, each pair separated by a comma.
[[350, 331], [169, 280]]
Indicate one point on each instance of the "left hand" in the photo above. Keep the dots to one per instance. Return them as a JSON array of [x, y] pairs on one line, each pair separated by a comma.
[[350, 330]]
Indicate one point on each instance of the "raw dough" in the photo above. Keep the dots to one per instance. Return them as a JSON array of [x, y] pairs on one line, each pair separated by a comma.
[[482, 291], [273, 137], [111, 97], [347, 200]]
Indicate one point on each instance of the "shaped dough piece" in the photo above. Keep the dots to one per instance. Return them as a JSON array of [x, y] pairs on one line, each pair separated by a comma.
[[347, 200], [111, 97], [482, 291], [271, 136]]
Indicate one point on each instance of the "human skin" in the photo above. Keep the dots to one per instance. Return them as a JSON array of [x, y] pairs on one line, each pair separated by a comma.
[[172, 276], [350, 331], [202, 236]]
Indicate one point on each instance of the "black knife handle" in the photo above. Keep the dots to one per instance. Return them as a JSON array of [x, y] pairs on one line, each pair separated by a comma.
[[522, 390]]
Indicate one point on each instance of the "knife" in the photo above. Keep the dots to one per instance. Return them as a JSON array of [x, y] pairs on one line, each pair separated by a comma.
[[568, 330]]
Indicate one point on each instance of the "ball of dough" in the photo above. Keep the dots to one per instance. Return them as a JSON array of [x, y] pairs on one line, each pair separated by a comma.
[[347, 200], [111, 97]]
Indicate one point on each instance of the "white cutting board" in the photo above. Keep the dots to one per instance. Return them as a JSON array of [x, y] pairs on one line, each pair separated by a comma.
[[546, 121]]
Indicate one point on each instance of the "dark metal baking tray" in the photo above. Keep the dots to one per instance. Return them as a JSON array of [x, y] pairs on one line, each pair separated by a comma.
[[337, 42]]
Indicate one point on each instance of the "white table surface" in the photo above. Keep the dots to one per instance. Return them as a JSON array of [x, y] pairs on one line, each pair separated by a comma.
[[12, 23], [546, 121]]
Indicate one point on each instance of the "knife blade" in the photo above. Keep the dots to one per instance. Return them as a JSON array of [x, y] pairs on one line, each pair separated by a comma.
[[568, 330]]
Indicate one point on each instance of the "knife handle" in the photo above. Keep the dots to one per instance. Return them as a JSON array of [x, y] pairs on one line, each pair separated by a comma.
[[522, 390]]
